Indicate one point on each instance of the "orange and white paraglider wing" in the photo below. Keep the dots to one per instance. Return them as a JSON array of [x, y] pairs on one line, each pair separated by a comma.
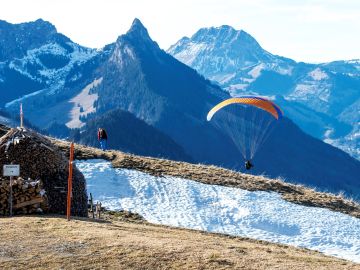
[[258, 102]]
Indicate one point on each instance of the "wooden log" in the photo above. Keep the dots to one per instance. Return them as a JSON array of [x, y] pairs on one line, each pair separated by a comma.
[[27, 203]]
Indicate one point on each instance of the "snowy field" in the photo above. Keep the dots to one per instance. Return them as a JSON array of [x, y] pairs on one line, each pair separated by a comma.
[[185, 203]]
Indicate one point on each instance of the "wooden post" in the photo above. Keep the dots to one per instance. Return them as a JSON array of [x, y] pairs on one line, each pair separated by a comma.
[[11, 170], [69, 195], [98, 210], [11, 196], [92, 206]]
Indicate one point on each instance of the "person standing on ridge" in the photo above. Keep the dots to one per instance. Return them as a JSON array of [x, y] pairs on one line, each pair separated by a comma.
[[102, 137]]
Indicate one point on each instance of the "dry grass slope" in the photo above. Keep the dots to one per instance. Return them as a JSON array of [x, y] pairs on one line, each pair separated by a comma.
[[54, 243]]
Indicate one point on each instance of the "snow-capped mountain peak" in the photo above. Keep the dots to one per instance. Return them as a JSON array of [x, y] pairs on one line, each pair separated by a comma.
[[221, 42], [230, 57], [16, 39], [222, 34]]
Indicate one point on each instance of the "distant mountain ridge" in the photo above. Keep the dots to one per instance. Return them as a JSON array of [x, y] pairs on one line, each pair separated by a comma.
[[17, 39], [329, 92], [133, 74], [35, 58]]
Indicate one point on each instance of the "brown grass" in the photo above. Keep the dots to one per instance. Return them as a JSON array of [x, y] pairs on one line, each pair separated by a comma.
[[51, 242], [217, 176]]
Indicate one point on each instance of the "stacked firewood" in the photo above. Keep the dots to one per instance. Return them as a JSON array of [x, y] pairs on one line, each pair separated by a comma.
[[28, 196], [3, 130], [40, 159]]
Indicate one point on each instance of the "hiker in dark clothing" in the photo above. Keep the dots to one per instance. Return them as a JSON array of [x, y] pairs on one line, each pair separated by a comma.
[[102, 137], [248, 165]]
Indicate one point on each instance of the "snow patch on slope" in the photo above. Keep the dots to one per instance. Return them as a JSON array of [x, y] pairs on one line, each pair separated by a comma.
[[312, 94], [17, 101], [83, 104], [54, 77], [19, 67], [349, 143], [185, 203], [223, 78], [318, 74], [33, 57], [256, 71], [191, 52]]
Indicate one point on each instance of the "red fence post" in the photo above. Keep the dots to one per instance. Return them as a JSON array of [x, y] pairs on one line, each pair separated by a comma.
[[69, 194]]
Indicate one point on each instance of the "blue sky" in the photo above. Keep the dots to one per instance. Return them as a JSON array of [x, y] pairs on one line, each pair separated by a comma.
[[308, 30]]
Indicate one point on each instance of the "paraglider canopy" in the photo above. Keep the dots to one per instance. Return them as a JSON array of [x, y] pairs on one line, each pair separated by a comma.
[[258, 102], [247, 120]]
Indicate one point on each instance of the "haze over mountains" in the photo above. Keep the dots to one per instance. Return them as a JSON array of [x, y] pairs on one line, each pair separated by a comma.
[[64, 85], [323, 99]]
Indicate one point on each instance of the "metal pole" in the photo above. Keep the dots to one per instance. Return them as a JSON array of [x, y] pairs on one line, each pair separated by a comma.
[[11, 197], [21, 116]]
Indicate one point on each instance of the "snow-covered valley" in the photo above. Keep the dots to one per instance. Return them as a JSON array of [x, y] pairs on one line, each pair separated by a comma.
[[185, 203]]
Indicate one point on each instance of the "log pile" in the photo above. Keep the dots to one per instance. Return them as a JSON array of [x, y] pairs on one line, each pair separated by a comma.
[[40, 159], [28, 196], [3, 130]]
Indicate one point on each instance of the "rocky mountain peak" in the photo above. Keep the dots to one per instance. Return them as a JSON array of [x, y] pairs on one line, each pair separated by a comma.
[[223, 34], [137, 24], [39, 25], [136, 37], [16, 39], [233, 50], [138, 30]]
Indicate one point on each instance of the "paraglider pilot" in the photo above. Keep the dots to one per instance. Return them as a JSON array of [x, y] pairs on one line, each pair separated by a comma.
[[248, 165]]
